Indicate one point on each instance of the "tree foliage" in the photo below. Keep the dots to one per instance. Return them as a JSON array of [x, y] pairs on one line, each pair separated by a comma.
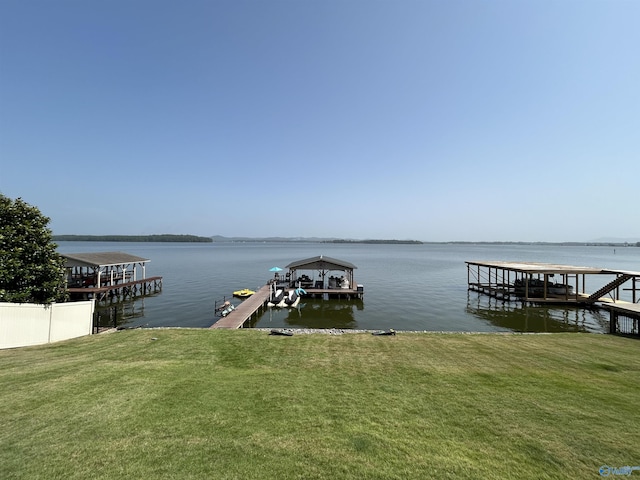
[[31, 270]]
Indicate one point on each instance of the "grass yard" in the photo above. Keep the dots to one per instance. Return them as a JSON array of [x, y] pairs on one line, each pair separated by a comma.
[[212, 404]]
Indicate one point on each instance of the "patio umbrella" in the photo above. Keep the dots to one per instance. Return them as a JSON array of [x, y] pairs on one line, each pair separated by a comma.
[[276, 270]]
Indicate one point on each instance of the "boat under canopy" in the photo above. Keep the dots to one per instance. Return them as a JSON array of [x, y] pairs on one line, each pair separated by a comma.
[[315, 275], [323, 265]]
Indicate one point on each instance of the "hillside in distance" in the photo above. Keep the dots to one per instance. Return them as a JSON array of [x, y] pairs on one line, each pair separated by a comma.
[[131, 238], [602, 242], [221, 239]]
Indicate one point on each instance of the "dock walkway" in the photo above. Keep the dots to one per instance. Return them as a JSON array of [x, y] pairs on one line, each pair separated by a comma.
[[120, 291], [624, 318], [249, 307], [243, 312]]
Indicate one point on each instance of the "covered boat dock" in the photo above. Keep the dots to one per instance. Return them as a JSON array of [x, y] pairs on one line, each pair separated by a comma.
[[108, 275], [317, 276], [323, 275], [624, 319], [553, 283]]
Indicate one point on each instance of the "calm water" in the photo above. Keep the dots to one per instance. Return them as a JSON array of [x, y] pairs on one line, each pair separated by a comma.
[[407, 287]]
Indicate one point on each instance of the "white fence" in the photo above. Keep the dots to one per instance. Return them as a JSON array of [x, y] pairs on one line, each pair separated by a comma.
[[23, 324]]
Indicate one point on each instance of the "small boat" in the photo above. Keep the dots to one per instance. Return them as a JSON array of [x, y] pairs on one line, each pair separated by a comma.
[[244, 293], [536, 288], [276, 299], [292, 299], [225, 309], [391, 331], [531, 286], [560, 289], [286, 333], [283, 298]]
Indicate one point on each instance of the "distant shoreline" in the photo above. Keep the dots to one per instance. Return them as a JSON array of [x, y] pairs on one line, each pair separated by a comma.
[[220, 239], [132, 238], [392, 242]]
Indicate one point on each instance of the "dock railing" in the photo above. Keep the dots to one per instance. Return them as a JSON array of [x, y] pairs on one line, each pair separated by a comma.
[[624, 319]]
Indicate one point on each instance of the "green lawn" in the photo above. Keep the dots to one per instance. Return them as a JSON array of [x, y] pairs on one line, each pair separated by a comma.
[[212, 404]]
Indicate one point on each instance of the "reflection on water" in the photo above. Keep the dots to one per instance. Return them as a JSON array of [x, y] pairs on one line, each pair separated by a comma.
[[313, 313], [521, 317], [118, 314]]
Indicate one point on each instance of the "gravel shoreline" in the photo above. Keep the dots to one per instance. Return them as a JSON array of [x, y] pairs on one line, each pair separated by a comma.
[[340, 331], [305, 331], [331, 331]]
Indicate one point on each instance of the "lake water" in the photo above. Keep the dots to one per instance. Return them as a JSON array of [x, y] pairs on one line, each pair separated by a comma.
[[407, 287]]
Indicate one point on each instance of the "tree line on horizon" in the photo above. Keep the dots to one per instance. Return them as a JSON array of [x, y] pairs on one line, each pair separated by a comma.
[[132, 238], [221, 239], [383, 242]]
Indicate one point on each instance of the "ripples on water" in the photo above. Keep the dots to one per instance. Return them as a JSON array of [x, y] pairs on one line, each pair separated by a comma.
[[407, 287]]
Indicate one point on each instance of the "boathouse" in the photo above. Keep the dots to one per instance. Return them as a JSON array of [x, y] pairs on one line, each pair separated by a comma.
[[551, 283], [532, 282], [324, 275], [317, 276], [103, 275]]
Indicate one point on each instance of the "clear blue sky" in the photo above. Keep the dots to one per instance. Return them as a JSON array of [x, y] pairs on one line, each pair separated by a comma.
[[431, 120]]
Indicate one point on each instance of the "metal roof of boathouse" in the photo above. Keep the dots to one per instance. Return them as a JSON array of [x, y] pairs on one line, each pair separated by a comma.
[[542, 268], [101, 259], [321, 263]]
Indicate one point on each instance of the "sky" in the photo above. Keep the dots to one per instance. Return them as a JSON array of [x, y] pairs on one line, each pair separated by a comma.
[[432, 120]]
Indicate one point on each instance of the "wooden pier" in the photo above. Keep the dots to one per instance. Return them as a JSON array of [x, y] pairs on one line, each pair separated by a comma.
[[323, 285], [247, 309], [258, 302], [347, 293], [118, 292], [624, 318]]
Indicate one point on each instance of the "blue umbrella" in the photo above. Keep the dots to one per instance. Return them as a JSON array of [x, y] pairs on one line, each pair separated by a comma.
[[275, 269]]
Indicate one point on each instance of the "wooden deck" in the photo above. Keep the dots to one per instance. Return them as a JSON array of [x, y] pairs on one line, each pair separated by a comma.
[[120, 291], [624, 318], [335, 292], [244, 311]]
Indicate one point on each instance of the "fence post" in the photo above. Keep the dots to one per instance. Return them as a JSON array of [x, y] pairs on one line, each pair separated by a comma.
[[613, 319]]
